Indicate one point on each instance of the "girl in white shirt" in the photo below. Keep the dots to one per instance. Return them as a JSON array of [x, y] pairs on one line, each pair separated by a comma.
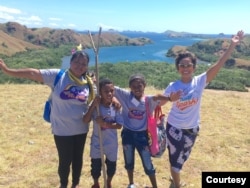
[[184, 116]]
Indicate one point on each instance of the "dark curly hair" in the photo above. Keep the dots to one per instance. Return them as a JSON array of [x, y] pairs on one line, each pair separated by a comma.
[[183, 55], [139, 77], [78, 54], [104, 82]]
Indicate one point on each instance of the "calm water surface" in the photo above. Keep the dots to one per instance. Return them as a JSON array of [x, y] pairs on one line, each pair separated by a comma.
[[149, 52]]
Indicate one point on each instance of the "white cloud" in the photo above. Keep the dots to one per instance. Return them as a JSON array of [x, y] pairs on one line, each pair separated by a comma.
[[29, 21], [6, 17], [55, 19], [10, 10], [72, 25], [7, 14], [33, 18], [54, 24], [107, 27]]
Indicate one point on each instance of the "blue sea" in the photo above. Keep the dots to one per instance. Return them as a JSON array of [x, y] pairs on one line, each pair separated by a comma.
[[150, 52]]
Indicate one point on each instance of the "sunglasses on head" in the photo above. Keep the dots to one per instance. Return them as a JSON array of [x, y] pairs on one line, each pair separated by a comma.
[[188, 65]]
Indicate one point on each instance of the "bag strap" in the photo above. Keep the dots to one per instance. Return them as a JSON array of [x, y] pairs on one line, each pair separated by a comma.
[[58, 76], [147, 110], [147, 106], [157, 112]]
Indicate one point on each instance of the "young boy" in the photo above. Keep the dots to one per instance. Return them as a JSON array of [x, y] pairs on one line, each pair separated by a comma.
[[110, 119]]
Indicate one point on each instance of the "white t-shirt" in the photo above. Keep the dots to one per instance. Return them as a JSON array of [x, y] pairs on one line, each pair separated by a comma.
[[185, 112]]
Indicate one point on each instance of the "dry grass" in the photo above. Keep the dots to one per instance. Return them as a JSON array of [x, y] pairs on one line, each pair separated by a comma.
[[28, 157], [11, 45]]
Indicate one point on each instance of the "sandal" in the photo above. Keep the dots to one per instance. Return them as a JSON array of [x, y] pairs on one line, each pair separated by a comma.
[[182, 184]]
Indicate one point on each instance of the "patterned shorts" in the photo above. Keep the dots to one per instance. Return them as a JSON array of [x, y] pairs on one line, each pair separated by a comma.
[[180, 143]]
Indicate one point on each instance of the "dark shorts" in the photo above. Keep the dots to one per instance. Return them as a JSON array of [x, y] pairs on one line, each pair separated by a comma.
[[180, 143]]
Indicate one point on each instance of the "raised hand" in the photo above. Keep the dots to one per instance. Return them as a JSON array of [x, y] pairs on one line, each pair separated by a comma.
[[3, 66], [238, 37]]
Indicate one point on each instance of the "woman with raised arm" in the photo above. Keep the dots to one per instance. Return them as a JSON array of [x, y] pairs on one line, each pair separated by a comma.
[[184, 116], [70, 98]]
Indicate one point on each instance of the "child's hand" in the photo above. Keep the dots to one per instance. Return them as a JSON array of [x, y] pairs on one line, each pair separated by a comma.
[[101, 122], [174, 96], [3, 66], [96, 101], [116, 103]]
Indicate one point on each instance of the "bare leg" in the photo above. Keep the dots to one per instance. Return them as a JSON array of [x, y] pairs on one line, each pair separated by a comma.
[[153, 181], [130, 176], [96, 183], [109, 179], [176, 178]]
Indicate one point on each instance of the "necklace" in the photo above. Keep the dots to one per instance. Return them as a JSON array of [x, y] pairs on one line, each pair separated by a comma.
[[83, 82], [77, 80]]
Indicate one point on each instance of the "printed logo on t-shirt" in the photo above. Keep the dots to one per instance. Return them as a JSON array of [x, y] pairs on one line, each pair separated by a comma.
[[74, 92], [187, 101], [135, 114]]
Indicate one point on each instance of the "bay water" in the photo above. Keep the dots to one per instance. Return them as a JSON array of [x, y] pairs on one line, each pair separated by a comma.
[[150, 52]]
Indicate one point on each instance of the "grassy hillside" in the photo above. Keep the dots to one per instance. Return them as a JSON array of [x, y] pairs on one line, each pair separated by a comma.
[[16, 38], [210, 51], [11, 45], [28, 157]]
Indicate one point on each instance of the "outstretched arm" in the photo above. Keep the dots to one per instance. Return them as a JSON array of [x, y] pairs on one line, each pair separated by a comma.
[[174, 96], [28, 73], [212, 72]]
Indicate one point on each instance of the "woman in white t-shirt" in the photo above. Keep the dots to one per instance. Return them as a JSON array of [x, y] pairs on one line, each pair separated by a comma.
[[184, 116]]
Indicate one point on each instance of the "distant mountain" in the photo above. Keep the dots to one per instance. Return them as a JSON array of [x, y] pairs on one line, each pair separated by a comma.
[[175, 34], [11, 45], [18, 38]]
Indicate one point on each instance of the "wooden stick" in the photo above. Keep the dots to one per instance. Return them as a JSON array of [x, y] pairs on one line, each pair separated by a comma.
[[96, 50]]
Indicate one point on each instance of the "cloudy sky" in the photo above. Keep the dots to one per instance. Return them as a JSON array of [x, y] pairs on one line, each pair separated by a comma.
[[196, 16]]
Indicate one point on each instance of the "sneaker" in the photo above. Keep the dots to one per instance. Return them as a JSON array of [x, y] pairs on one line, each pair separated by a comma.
[[131, 186], [183, 184], [95, 186]]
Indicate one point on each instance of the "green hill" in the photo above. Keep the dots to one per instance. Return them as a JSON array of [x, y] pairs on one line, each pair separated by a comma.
[[12, 34], [210, 50]]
